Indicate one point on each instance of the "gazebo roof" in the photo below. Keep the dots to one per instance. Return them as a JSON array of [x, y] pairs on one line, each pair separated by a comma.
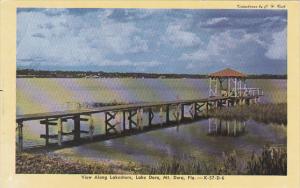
[[228, 73]]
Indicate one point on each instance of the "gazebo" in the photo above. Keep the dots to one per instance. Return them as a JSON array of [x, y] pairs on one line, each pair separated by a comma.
[[227, 82]]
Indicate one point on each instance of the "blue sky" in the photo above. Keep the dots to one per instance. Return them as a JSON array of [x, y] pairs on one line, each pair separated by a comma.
[[152, 40]]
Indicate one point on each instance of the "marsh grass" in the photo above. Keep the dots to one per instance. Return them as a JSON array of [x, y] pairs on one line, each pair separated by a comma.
[[265, 113], [184, 166], [271, 161]]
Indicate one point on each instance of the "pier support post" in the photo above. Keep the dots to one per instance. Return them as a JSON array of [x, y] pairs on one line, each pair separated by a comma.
[[234, 128], [167, 114], [59, 131], [124, 121], [139, 118], [209, 124], [207, 108], [151, 115], [193, 110], [76, 127], [47, 132], [106, 119], [178, 113], [142, 118], [130, 116], [91, 126], [20, 136], [182, 112], [228, 130], [161, 115], [247, 101]]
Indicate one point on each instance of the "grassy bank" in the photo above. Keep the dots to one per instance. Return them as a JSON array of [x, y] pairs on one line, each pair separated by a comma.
[[266, 113], [31, 163], [271, 161]]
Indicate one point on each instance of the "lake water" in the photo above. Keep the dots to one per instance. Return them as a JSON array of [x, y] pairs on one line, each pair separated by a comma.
[[196, 139]]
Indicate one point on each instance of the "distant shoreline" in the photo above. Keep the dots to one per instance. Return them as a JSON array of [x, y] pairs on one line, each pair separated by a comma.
[[31, 73]]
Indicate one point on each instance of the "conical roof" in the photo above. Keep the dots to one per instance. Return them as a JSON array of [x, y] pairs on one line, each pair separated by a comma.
[[228, 73]]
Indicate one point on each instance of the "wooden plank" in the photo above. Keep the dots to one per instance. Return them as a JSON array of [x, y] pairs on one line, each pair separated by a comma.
[[55, 136], [63, 114]]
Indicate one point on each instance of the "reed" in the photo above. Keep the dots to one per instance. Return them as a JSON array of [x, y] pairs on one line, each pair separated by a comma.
[[271, 161], [265, 113]]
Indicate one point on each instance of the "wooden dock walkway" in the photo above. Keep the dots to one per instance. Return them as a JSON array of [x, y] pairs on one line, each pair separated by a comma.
[[128, 116]]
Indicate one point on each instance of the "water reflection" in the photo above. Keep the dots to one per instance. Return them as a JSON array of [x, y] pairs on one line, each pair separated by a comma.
[[219, 127]]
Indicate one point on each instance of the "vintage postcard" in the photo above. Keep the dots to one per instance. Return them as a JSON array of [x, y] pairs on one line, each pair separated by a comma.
[[136, 93]]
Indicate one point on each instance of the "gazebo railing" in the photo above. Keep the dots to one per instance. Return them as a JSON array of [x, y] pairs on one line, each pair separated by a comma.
[[250, 92]]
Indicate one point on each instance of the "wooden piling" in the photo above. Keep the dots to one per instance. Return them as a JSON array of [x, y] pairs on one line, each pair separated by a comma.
[[234, 128], [209, 124], [124, 121], [106, 120], [91, 126], [177, 113], [130, 119], [20, 136], [194, 105], [161, 115], [227, 126], [182, 112], [167, 114], [76, 120], [150, 118], [47, 132], [139, 118], [59, 131]]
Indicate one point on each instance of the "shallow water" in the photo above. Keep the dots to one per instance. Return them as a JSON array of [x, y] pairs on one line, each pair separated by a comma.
[[36, 95], [43, 95], [190, 139]]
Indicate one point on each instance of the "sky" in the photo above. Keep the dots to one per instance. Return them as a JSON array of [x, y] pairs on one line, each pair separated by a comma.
[[152, 40]]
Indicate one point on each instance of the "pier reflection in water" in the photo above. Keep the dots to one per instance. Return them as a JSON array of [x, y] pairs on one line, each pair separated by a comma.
[[219, 127]]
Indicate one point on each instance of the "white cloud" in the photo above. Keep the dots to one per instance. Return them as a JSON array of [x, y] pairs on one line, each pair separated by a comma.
[[73, 40], [129, 63], [278, 48], [217, 45], [216, 20], [222, 46], [121, 37], [178, 37]]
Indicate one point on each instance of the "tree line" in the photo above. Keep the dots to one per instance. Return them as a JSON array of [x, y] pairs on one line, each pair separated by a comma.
[[31, 73]]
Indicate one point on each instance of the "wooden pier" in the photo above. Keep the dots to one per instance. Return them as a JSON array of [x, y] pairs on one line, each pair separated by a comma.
[[130, 117], [226, 88]]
